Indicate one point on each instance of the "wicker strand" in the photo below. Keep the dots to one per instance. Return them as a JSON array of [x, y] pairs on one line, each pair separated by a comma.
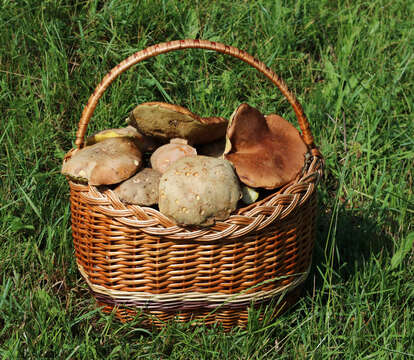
[[215, 298]]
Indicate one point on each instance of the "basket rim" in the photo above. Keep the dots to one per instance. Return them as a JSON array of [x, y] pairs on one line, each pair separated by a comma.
[[252, 218]]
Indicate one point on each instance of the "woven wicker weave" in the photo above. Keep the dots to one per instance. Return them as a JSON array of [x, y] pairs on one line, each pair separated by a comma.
[[135, 259]]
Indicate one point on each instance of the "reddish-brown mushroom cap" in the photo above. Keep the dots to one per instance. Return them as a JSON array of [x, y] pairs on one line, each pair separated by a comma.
[[267, 152]]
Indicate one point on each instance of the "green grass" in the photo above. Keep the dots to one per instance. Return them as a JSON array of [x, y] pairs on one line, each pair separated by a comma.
[[351, 64]]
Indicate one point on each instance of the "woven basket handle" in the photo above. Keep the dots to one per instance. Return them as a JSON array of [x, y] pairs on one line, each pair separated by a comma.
[[185, 44]]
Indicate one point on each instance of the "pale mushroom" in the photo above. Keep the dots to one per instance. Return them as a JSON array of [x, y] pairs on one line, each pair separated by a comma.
[[249, 195], [267, 152], [167, 121], [141, 189], [107, 162], [198, 190], [167, 154]]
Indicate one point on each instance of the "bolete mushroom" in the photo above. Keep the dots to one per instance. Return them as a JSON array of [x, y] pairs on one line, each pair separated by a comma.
[[141, 189], [249, 195], [267, 152], [145, 143], [167, 154], [198, 190], [107, 162], [168, 121]]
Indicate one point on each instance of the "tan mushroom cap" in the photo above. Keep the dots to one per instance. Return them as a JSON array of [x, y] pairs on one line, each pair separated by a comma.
[[267, 152], [168, 121], [107, 162]]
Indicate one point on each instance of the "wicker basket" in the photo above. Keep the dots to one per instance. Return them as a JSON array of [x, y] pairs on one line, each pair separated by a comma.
[[136, 260]]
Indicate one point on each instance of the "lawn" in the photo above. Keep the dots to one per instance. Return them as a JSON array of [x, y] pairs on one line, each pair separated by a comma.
[[351, 65]]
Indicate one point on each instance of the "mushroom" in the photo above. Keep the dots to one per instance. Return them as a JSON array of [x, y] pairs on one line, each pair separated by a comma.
[[141, 189], [198, 190], [168, 121], [267, 152], [107, 162], [165, 155], [249, 195], [144, 143]]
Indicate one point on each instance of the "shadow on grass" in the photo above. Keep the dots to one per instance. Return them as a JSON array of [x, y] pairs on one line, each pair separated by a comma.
[[345, 244]]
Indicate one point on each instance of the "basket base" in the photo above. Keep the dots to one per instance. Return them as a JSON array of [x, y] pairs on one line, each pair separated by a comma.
[[227, 318]]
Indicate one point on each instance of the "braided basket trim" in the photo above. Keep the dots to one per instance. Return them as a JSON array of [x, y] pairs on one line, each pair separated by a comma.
[[152, 222]]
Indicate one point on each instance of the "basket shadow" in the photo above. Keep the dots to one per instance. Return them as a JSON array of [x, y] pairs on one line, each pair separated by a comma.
[[357, 238]]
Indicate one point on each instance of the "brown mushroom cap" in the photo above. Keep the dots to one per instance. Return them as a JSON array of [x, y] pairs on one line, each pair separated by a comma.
[[267, 152], [168, 121], [144, 143], [107, 162], [141, 189]]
